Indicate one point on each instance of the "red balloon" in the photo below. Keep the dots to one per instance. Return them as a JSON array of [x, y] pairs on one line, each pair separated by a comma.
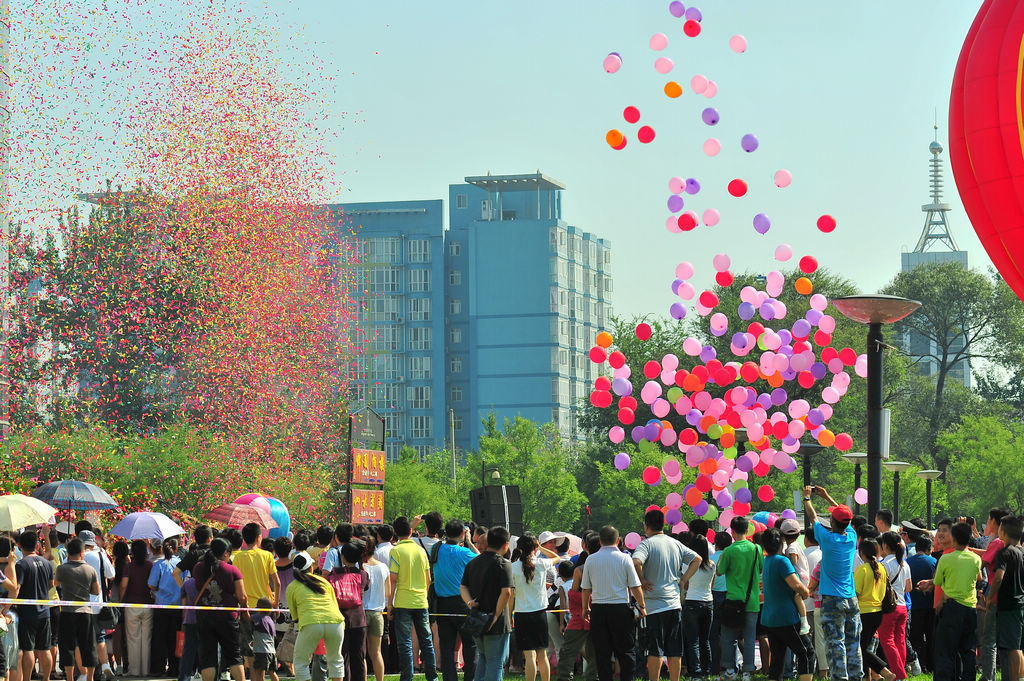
[[645, 134], [826, 223], [627, 402], [686, 221], [984, 135], [749, 372], [652, 369], [843, 442], [755, 329], [631, 114], [701, 372], [724, 279], [626, 416], [808, 264], [765, 493], [761, 469], [691, 28], [828, 354], [621, 145], [603, 383], [848, 356], [704, 483], [738, 188], [597, 354], [643, 331], [740, 508], [688, 437], [601, 399], [681, 376], [616, 359], [821, 338], [708, 299], [805, 379]]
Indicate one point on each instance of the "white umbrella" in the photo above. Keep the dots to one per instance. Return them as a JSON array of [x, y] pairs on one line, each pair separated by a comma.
[[18, 510], [147, 525]]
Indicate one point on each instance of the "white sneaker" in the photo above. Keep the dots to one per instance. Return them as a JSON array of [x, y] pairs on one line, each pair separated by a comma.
[[197, 677], [225, 676], [915, 669], [81, 678]]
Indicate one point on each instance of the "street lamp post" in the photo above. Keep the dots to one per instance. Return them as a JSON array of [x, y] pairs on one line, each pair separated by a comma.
[[875, 310], [495, 473], [896, 467], [805, 451], [856, 458], [928, 476]]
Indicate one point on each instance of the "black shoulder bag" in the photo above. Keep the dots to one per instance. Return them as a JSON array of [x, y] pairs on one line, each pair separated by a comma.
[[889, 601], [734, 611]]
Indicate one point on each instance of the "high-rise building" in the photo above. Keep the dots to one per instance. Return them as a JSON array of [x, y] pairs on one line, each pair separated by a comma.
[[935, 245], [493, 315], [401, 283], [526, 295]]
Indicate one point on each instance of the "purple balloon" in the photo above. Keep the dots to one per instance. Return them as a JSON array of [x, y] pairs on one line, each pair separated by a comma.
[[745, 310], [762, 223], [621, 386], [765, 400], [694, 13], [676, 8], [692, 186], [652, 432], [694, 416], [723, 498], [779, 397], [739, 340], [707, 354], [673, 516], [749, 143], [787, 339], [701, 508], [789, 440], [676, 283], [767, 311], [743, 464], [788, 513], [751, 398], [743, 495], [688, 488], [818, 370], [801, 328], [622, 461], [814, 316], [677, 310], [815, 417], [710, 115], [789, 466], [637, 433], [675, 203], [788, 375]]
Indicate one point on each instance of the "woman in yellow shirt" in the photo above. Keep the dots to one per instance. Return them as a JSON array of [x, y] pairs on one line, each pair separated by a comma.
[[869, 582], [314, 608]]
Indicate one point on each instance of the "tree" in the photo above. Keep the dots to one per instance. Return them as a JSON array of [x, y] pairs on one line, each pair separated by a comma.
[[985, 454], [414, 486], [535, 458], [964, 315]]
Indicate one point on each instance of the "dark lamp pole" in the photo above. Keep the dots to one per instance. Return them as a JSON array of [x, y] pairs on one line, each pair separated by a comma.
[[856, 458], [807, 449], [896, 467], [928, 476], [875, 310]]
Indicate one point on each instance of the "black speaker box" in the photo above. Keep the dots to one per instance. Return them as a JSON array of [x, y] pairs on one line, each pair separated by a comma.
[[498, 506]]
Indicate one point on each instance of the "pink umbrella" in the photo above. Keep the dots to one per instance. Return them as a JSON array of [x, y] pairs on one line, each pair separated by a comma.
[[575, 543]]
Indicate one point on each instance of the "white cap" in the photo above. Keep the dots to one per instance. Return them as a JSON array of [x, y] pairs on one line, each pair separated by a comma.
[[545, 537]]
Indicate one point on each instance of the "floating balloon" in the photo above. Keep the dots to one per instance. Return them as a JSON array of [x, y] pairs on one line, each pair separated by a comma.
[[711, 146], [762, 223], [783, 178], [737, 188], [645, 134], [663, 65], [651, 475], [691, 28], [783, 252], [676, 9], [632, 540], [710, 116], [673, 89], [699, 84], [860, 496], [749, 143], [622, 461], [631, 114], [613, 62], [659, 41], [826, 223], [738, 44]]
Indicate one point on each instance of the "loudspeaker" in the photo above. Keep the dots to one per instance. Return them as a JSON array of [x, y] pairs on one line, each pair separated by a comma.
[[498, 506]]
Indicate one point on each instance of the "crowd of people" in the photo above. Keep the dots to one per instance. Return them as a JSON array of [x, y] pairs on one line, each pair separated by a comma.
[[844, 598]]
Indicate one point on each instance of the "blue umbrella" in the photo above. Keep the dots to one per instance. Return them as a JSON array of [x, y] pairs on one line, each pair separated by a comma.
[[74, 495], [147, 525]]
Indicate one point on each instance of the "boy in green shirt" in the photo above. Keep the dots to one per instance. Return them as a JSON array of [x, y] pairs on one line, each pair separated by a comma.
[[956, 619]]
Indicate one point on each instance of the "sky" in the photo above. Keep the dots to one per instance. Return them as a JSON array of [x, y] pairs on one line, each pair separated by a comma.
[[841, 94]]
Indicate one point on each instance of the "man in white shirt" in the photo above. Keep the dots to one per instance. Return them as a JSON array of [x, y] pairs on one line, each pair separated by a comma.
[[383, 553], [608, 579], [100, 562], [659, 561]]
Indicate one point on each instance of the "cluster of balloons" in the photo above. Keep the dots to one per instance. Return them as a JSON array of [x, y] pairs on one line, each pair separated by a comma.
[[277, 510]]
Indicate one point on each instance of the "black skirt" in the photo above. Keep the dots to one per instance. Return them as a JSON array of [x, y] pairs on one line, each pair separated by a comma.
[[531, 630]]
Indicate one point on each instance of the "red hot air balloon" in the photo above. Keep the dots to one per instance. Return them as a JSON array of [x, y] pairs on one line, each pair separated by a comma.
[[986, 129]]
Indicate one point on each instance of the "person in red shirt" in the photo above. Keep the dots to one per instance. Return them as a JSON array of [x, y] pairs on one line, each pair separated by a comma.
[[987, 620]]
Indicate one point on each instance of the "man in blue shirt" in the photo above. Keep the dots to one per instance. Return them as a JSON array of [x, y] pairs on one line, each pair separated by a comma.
[[448, 562], [840, 613], [922, 625]]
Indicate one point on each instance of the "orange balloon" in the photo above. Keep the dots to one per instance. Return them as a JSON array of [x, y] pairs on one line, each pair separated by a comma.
[[776, 380], [666, 425], [693, 496], [614, 138], [707, 422], [826, 438], [803, 286], [673, 89], [708, 466], [728, 439], [604, 339]]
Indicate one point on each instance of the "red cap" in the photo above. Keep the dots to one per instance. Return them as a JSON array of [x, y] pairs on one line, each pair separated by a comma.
[[841, 512]]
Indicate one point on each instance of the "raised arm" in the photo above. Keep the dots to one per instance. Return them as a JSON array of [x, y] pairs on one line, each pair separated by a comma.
[[812, 516]]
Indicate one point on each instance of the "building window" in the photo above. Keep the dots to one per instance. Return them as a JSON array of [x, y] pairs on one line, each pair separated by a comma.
[[422, 451], [419, 281], [385, 368], [388, 338], [563, 357], [461, 201], [384, 308], [419, 309], [419, 368], [420, 427], [456, 393], [419, 397], [455, 367], [382, 249], [393, 425], [384, 280], [455, 336], [485, 210], [419, 250], [457, 423], [421, 338], [455, 306], [455, 278], [390, 395], [454, 248]]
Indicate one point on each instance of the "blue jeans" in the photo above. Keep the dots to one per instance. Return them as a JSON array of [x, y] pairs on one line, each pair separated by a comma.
[[187, 664], [697, 635], [405, 620], [491, 653], [840, 622], [718, 597], [729, 638]]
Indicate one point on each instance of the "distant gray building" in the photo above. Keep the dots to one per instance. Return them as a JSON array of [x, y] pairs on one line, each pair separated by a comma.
[[936, 245]]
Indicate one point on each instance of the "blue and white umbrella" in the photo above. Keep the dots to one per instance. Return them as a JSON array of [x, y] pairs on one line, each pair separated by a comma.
[[147, 525], [74, 495]]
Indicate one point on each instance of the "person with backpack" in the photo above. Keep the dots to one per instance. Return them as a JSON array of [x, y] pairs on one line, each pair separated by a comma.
[[313, 604], [350, 581], [892, 635], [448, 561], [869, 581]]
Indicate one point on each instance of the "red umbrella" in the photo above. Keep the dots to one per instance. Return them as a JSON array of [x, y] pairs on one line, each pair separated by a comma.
[[237, 515]]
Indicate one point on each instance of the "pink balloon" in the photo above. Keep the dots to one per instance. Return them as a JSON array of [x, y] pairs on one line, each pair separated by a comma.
[[672, 225], [612, 63], [712, 146], [684, 270], [699, 84], [659, 41], [676, 185], [711, 90], [616, 434], [673, 500], [633, 540], [663, 65], [783, 252], [721, 262], [783, 178], [860, 495], [711, 217], [738, 44]]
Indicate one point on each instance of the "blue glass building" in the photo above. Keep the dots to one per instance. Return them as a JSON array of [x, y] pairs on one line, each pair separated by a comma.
[[496, 314]]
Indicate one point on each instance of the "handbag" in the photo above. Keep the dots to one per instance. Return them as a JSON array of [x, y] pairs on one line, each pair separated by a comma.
[[476, 623], [889, 600], [431, 591], [734, 611]]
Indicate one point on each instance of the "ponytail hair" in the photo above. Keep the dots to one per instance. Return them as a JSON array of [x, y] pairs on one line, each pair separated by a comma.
[[893, 543], [527, 546], [310, 581], [869, 549], [169, 547], [215, 554]]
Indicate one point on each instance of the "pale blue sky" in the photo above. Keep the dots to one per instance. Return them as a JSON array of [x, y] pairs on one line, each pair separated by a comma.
[[842, 94]]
